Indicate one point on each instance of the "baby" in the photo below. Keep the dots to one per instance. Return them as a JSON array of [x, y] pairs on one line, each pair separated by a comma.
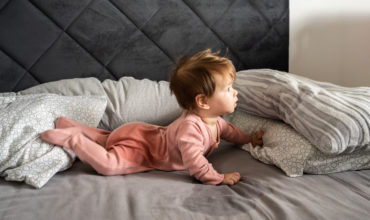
[[202, 84]]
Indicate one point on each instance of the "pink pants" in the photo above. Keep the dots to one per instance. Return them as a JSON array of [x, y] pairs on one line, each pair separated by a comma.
[[90, 145]]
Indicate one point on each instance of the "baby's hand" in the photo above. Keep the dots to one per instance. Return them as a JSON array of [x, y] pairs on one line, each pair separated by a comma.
[[231, 178], [257, 138]]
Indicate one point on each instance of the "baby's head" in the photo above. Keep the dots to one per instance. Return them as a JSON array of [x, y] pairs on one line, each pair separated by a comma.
[[194, 75]]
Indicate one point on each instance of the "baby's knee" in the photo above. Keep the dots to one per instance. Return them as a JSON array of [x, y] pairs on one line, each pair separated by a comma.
[[105, 172], [107, 169]]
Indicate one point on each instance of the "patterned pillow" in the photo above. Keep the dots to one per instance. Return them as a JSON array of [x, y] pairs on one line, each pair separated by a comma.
[[23, 156], [335, 119], [291, 152]]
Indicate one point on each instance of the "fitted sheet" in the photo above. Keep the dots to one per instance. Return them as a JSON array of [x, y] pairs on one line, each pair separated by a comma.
[[264, 192]]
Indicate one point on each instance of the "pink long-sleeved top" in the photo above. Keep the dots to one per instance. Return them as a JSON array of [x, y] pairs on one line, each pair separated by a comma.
[[183, 145]]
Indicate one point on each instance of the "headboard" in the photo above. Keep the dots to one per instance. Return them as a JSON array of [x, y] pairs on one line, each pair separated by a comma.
[[48, 40]]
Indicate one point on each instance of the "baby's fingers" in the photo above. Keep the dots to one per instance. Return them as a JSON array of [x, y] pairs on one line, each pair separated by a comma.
[[231, 178], [235, 177], [258, 142], [260, 133]]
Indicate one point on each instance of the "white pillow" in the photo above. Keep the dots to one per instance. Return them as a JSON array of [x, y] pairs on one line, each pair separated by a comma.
[[335, 119], [143, 100], [291, 152], [23, 156]]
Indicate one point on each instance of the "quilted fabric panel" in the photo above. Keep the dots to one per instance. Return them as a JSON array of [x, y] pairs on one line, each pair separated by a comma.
[[28, 35], [8, 65], [48, 40], [67, 59]]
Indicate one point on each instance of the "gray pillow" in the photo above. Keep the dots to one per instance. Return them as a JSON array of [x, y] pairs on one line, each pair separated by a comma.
[[335, 119], [23, 156], [68, 87], [293, 153], [139, 100], [129, 99]]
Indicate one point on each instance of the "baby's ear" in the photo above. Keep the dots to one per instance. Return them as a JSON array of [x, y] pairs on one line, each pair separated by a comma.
[[202, 101]]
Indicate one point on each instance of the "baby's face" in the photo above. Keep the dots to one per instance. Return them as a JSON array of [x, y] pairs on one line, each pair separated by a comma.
[[224, 99]]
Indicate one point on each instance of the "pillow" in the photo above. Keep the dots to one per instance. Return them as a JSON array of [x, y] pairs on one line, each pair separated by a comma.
[[291, 152], [139, 100], [23, 156], [335, 119], [69, 87], [129, 99]]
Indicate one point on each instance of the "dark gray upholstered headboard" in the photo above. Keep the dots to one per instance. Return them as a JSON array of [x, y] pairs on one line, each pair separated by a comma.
[[48, 40]]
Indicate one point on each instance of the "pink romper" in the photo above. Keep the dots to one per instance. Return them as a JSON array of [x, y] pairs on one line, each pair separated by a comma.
[[136, 147]]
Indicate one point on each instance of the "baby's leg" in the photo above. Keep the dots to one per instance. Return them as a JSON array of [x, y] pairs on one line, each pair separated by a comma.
[[59, 136], [117, 160], [98, 135]]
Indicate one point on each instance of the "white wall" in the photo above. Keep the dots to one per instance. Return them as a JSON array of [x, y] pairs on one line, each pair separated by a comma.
[[330, 40]]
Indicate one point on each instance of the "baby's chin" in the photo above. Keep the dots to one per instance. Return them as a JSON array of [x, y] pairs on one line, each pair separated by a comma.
[[231, 111]]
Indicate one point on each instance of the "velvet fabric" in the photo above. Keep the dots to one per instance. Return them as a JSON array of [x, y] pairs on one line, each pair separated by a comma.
[[44, 41]]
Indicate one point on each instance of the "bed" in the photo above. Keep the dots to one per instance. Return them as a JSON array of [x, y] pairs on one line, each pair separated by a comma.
[[106, 62]]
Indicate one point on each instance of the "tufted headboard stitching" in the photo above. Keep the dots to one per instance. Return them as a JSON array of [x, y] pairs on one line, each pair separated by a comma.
[[48, 40]]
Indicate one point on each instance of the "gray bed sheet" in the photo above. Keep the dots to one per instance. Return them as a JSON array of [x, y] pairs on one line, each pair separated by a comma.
[[263, 193]]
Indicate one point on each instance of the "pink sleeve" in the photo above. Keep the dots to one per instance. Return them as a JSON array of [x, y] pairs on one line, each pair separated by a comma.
[[190, 143], [233, 134]]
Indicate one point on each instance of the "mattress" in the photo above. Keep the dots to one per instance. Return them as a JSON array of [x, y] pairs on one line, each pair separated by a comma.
[[264, 192]]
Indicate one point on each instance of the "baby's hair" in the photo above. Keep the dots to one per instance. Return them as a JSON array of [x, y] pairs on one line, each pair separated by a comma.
[[193, 75]]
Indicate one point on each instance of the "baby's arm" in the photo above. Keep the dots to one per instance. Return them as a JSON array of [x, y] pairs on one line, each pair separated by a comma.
[[190, 145], [231, 133], [192, 153]]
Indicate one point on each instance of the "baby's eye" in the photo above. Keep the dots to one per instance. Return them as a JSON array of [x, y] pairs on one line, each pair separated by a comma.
[[229, 89]]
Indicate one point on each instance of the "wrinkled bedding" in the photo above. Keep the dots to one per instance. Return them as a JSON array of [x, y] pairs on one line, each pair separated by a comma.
[[287, 149], [333, 118], [263, 193], [23, 155]]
